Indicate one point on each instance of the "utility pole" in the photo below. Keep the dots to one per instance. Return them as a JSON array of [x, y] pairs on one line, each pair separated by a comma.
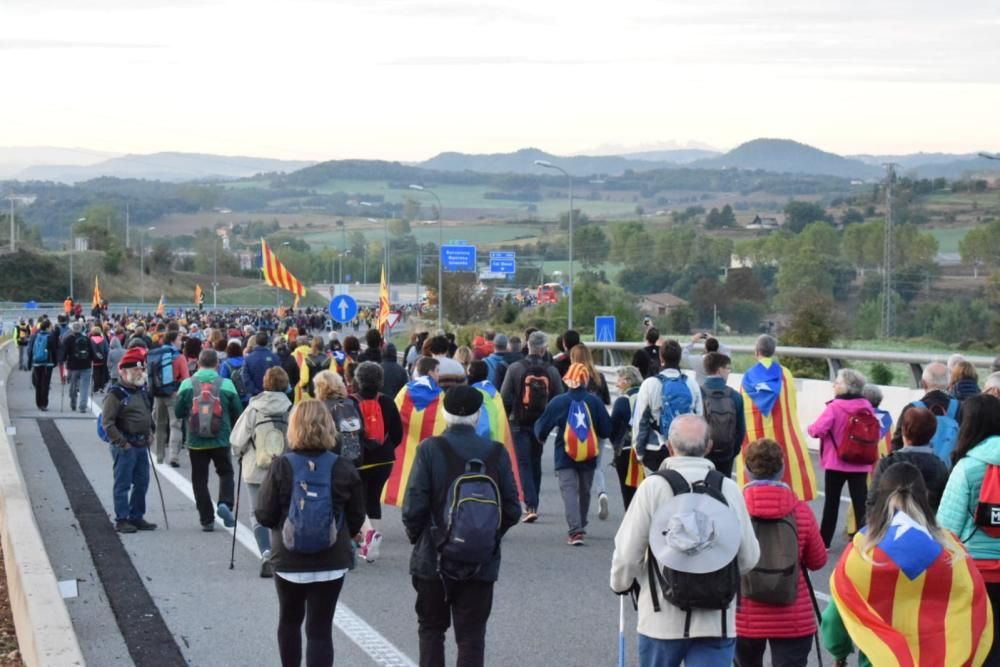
[[215, 274], [12, 227], [127, 246], [888, 251]]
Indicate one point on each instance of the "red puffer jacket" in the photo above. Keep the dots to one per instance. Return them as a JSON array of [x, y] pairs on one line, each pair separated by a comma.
[[758, 620]]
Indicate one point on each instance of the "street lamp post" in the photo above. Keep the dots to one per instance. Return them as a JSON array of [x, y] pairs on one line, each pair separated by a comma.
[[215, 274], [12, 233], [343, 248], [142, 263], [548, 165], [72, 248], [440, 295]]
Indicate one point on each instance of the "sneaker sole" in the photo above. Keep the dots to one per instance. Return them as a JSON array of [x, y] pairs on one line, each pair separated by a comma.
[[602, 501], [529, 518]]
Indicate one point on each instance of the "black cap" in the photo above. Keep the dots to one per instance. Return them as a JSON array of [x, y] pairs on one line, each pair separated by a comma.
[[463, 400]]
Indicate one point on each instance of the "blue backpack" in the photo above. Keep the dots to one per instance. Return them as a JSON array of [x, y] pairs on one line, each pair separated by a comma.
[[467, 531], [946, 435], [312, 523], [124, 395], [160, 370], [676, 400], [40, 350]]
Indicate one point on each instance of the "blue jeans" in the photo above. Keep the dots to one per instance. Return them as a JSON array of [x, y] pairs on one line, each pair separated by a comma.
[[79, 389], [131, 472], [703, 651], [529, 462]]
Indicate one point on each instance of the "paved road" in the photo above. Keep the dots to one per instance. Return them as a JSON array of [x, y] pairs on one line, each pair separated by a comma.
[[552, 604]]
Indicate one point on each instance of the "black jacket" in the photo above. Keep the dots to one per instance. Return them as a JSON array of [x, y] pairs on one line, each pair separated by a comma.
[[393, 377], [272, 508], [514, 378], [428, 487], [53, 345], [393, 429], [936, 401], [69, 344], [932, 469]]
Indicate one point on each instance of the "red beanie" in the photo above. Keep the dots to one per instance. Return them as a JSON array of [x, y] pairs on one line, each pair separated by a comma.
[[134, 356]]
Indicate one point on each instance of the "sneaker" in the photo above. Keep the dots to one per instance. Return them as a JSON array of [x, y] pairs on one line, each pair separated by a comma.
[[208, 527], [530, 515], [361, 549], [125, 527], [373, 542], [575, 540], [142, 524], [266, 569], [602, 503], [175, 464], [226, 515]]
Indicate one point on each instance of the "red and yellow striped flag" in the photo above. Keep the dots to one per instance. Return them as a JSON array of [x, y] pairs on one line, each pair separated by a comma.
[[383, 305], [636, 472], [931, 609], [421, 410], [493, 424], [96, 300], [579, 438], [199, 298], [161, 307], [275, 273]]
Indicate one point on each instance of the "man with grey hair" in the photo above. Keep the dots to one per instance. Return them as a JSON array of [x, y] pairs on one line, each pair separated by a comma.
[[992, 384], [77, 351], [496, 361], [447, 589], [672, 634], [934, 381], [527, 388]]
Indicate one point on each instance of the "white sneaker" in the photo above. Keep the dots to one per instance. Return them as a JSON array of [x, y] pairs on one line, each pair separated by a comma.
[[373, 541], [602, 503]]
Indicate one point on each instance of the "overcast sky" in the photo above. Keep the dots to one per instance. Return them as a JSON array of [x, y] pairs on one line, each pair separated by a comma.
[[405, 79]]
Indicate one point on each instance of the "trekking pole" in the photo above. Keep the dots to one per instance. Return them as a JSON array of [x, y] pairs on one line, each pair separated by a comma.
[[819, 617], [163, 505], [62, 396], [236, 517], [621, 631]]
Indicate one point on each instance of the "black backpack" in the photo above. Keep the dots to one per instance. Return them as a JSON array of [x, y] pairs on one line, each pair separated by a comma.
[[720, 413], [775, 579], [534, 394], [81, 349], [236, 376]]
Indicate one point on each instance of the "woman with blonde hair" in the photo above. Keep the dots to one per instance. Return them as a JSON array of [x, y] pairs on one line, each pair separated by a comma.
[[964, 381], [346, 413], [465, 356], [309, 584], [580, 354]]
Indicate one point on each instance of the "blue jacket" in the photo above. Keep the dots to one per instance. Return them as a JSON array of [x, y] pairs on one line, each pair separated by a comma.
[[230, 367], [555, 416], [714, 382], [961, 495], [255, 365]]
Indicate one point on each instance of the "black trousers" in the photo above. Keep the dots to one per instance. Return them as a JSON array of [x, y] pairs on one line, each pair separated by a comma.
[[200, 458], [857, 485], [374, 480], [723, 464], [621, 466], [785, 652], [315, 603], [467, 602], [654, 457], [41, 377]]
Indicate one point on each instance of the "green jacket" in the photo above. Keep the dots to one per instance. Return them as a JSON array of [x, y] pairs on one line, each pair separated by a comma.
[[232, 407], [835, 637], [961, 496]]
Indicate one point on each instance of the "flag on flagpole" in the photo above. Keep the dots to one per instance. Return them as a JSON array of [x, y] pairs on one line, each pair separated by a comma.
[[96, 301], [275, 273], [383, 305], [161, 307], [199, 298], [295, 305]]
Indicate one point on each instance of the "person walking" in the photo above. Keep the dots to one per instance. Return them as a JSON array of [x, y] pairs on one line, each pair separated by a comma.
[[99, 364], [167, 370], [78, 353], [44, 354], [127, 419], [629, 379], [724, 412], [596, 385], [448, 587], [308, 583], [919, 425], [259, 436], [394, 376], [232, 369], [115, 353], [211, 406], [256, 364], [22, 334]]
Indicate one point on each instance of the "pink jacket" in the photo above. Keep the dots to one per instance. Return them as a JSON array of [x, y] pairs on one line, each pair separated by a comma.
[[830, 428]]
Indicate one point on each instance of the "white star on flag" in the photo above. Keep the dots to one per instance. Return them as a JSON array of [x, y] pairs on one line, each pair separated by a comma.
[[581, 419], [904, 522]]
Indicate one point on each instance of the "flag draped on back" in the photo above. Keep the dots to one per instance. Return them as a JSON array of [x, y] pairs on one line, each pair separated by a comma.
[[910, 602], [771, 411], [493, 424], [421, 410], [198, 296], [275, 273], [579, 435], [96, 301], [383, 305]]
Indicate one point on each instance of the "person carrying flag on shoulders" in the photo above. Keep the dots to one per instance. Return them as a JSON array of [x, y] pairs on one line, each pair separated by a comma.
[[493, 424], [581, 421]]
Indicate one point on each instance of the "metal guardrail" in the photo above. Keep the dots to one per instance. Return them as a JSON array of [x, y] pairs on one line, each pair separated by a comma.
[[614, 354]]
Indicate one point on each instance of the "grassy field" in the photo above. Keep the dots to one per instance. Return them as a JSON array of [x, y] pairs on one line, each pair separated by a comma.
[[948, 238]]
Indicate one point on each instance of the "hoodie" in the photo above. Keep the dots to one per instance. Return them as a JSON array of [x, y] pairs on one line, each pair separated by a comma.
[[115, 353], [394, 376], [264, 406], [961, 496]]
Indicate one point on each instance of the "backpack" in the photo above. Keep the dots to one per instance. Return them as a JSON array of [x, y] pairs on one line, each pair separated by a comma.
[[652, 365], [689, 590], [466, 527], [946, 434], [775, 579], [314, 369], [861, 438], [987, 515], [40, 350], [160, 370], [347, 419], [124, 395], [268, 440], [579, 439], [676, 400], [236, 375], [720, 413], [206, 412], [312, 523], [374, 423], [80, 349], [535, 393], [494, 364]]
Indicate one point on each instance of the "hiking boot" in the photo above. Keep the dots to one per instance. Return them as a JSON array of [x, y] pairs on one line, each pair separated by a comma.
[[530, 515], [602, 504], [142, 524], [208, 527], [575, 540], [125, 527], [226, 515], [373, 541]]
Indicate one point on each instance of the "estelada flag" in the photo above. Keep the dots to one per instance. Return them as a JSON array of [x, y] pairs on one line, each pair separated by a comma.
[[275, 273], [910, 601], [636, 472], [198, 296], [493, 425], [96, 300], [579, 438], [422, 413], [771, 411], [383, 305]]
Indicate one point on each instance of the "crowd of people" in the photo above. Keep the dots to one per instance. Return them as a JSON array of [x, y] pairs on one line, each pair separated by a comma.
[[717, 538]]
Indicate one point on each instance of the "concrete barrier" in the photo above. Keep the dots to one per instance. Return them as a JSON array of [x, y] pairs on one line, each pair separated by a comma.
[[45, 633]]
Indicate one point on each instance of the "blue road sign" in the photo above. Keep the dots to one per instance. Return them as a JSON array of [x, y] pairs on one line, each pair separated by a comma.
[[502, 262], [605, 329], [343, 308], [458, 258]]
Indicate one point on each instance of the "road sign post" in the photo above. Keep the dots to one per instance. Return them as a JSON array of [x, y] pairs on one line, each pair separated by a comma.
[[605, 329], [343, 308]]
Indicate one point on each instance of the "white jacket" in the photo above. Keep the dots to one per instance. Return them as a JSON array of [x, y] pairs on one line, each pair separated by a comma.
[[651, 395], [632, 547]]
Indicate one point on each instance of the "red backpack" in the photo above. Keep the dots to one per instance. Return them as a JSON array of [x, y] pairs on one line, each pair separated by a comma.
[[861, 438], [374, 422], [988, 510]]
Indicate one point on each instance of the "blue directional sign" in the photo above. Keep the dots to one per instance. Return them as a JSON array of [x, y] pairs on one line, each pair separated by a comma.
[[605, 328], [343, 308], [458, 258], [502, 262]]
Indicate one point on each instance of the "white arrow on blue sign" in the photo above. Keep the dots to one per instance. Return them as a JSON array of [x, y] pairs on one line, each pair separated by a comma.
[[343, 308], [605, 328]]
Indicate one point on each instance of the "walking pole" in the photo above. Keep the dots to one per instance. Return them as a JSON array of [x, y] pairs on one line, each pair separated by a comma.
[[163, 505], [62, 396], [621, 631], [236, 518], [819, 616]]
